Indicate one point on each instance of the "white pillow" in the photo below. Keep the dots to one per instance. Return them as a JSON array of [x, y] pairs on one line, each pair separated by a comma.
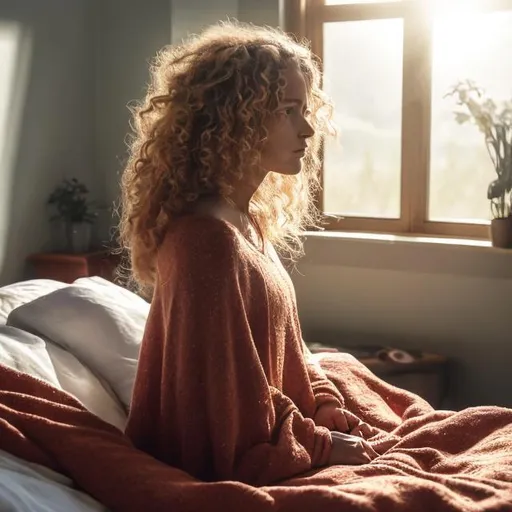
[[16, 294], [94, 393], [44, 360], [26, 353], [99, 322]]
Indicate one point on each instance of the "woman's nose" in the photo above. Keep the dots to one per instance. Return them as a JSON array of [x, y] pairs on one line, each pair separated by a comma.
[[307, 130]]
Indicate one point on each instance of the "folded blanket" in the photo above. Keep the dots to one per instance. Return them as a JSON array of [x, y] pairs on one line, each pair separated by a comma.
[[44, 425], [430, 460]]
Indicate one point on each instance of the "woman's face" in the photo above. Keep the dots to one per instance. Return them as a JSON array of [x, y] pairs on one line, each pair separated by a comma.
[[289, 131]]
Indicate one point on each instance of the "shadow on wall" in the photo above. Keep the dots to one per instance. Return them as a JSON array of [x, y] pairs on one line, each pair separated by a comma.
[[45, 116], [476, 373], [440, 298]]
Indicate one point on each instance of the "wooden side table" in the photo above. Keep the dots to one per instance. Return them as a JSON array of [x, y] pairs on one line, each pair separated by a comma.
[[427, 375], [67, 267]]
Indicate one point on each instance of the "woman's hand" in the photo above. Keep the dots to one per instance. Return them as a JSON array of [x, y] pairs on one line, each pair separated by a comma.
[[331, 417], [336, 418], [350, 450]]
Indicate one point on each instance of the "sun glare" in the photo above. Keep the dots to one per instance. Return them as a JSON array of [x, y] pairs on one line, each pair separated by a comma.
[[9, 42], [459, 36], [14, 63]]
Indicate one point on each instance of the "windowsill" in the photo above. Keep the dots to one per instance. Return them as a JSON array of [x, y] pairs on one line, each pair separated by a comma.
[[403, 253], [383, 237]]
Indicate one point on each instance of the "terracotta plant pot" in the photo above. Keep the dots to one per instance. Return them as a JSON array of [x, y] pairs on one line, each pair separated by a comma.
[[501, 232]]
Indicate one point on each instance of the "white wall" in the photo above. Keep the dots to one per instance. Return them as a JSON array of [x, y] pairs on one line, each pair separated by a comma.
[[50, 120], [449, 299], [90, 58], [128, 35], [81, 63], [191, 16], [435, 297], [259, 12]]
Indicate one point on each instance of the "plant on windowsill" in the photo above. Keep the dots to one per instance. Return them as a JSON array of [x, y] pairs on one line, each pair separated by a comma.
[[70, 201], [495, 122]]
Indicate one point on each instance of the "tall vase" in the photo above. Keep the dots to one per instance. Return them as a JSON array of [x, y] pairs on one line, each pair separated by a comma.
[[79, 237]]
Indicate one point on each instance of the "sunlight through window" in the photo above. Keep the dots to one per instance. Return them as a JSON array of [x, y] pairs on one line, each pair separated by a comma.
[[362, 171], [467, 45], [9, 41], [14, 65]]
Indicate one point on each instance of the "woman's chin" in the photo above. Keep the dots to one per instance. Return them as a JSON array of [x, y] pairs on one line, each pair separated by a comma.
[[289, 170]]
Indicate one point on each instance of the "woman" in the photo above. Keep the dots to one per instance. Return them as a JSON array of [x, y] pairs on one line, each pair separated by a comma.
[[223, 169]]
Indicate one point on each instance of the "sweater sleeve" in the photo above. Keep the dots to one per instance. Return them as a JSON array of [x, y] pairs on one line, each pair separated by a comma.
[[323, 389], [218, 418]]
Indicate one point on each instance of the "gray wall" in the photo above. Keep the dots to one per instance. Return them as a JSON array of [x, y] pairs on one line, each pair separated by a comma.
[[190, 16], [52, 120], [82, 63], [128, 36], [448, 299], [89, 60]]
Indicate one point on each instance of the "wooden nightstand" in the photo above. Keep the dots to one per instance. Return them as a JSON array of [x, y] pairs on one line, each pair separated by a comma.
[[427, 375], [67, 267]]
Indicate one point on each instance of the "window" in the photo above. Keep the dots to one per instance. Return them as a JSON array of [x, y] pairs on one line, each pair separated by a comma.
[[403, 164]]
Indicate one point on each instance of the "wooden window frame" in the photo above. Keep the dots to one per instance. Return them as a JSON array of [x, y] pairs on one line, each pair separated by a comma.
[[305, 19]]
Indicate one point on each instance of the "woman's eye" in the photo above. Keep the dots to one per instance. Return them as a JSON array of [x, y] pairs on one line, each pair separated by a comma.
[[288, 111]]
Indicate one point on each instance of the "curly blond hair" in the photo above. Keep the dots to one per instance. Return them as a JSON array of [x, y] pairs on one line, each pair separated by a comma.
[[202, 124]]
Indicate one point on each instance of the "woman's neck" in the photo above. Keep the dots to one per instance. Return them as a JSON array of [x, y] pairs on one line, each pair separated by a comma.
[[221, 208], [227, 210]]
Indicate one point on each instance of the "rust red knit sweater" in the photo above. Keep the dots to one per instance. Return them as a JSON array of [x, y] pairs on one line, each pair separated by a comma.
[[223, 388]]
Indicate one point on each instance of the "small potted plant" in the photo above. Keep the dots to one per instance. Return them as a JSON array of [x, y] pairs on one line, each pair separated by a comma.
[[73, 208], [495, 122]]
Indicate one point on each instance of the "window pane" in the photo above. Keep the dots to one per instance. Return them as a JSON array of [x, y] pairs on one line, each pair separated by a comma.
[[363, 75], [477, 47]]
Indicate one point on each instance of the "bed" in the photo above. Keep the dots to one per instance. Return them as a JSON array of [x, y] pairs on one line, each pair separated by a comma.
[[68, 357], [25, 486]]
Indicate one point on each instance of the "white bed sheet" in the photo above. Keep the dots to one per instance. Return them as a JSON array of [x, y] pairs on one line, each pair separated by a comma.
[[98, 322], [27, 487], [84, 341]]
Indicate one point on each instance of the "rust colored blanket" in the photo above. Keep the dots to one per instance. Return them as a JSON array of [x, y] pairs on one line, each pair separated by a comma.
[[431, 461]]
